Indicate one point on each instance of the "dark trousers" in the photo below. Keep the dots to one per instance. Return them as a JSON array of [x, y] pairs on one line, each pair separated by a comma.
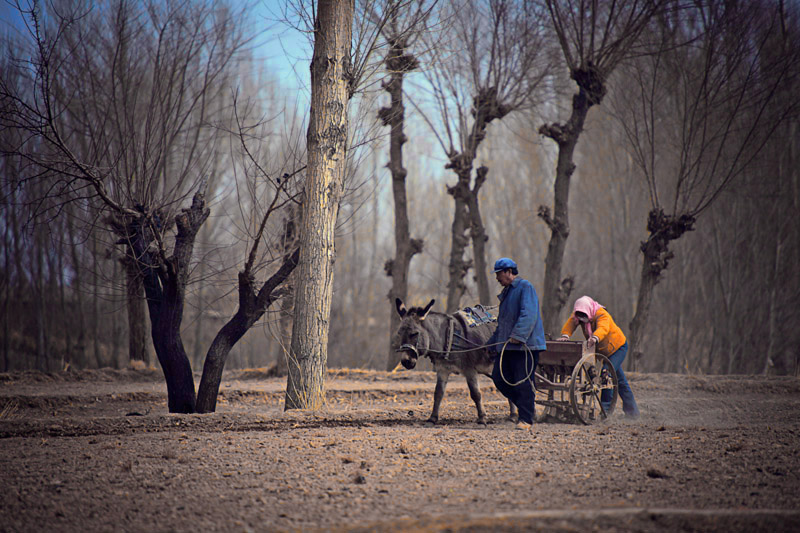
[[517, 365]]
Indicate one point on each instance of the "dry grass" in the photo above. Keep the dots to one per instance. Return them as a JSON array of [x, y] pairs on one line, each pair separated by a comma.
[[9, 410]]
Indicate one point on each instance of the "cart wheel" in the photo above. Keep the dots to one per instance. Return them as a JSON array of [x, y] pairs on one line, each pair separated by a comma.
[[592, 375]]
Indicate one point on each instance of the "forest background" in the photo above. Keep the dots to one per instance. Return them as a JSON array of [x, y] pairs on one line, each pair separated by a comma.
[[727, 303]]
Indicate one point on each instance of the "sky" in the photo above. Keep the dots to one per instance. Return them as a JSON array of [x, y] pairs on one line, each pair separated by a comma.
[[280, 49]]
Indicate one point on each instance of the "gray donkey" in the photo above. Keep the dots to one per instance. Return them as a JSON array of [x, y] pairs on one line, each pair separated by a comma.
[[446, 340]]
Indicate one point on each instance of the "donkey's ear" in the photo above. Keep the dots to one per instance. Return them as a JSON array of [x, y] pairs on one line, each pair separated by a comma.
[[427, 309], [401, 307]]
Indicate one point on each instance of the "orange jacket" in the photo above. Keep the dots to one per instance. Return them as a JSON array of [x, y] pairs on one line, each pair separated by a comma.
[[609, 336]]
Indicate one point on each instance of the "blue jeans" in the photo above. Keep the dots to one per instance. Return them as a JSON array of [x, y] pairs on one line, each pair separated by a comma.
[[629, 406], [517, 365]]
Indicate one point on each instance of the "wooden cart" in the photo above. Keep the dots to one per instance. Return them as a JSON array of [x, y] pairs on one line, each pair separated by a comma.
[[570, 380]]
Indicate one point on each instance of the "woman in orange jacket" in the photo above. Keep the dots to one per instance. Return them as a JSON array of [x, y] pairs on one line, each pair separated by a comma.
[[600, 330]]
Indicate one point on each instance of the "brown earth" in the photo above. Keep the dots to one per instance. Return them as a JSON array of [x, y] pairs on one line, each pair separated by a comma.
[[97, 451]]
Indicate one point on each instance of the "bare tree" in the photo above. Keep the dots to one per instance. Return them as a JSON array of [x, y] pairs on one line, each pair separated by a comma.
[[401, 32], [142, 209], [327, 151], [491, 64], [698, 115], [594, 36]]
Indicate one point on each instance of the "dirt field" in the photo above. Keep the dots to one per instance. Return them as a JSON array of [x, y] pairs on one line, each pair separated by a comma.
[[97, 451]]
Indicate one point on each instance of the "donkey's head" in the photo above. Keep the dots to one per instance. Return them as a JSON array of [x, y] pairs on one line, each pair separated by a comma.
[[412, 335]]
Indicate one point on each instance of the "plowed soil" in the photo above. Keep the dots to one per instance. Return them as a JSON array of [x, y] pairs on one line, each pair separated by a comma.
[[97, 451]]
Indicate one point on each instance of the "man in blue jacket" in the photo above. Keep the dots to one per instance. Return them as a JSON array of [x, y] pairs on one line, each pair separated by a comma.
[[519, 325]]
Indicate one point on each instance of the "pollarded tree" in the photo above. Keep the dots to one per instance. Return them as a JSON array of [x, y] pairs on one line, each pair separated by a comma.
[[400, 32], [491, 63], [594, 36], [697, 115]]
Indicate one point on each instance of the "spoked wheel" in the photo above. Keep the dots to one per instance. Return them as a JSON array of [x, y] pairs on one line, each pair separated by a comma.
[[592, 375]]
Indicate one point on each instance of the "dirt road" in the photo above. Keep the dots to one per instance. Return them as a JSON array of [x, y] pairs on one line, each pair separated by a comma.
[[97, 451]]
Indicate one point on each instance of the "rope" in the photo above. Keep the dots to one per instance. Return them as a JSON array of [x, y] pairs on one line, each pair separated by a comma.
[[481, 346], [475, 347], [527, 354]]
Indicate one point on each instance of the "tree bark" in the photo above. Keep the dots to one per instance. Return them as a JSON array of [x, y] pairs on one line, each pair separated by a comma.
[[95, 304], [557, 291], [398, 63], [285, 329], [134, 296], [647, 283], [327, 153], [479, 238], [458, 266], [7, 292]]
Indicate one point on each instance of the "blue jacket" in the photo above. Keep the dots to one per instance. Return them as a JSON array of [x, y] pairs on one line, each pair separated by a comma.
[[519, 317]]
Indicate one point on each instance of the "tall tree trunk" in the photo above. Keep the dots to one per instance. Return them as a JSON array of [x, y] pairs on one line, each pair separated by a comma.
[[117, 330], [134, 297], [40, 304], [286, 312], [96, 304], [772, 307], [285, 329], [557, 291], [77, 269], [647, 282], [199, 321], [479, 238], [327, 156], [458, 266], [7, 280], [398, 63], [66, 354]]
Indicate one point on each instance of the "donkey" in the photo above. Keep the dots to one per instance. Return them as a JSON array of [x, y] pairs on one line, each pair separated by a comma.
[[446, 340]]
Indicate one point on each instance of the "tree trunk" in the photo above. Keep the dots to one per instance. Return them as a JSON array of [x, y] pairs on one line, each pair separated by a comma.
[[647, 282], [479, 238], [7, 292], [66, 356], [398, 63], [458, 267], [285, 326], [327, 156], [772, 308], [656, 257], [134, 296], [164, 280], [116, 326], [96, 305], [77, 268], [199, 320], [40, 304], [557, 291]]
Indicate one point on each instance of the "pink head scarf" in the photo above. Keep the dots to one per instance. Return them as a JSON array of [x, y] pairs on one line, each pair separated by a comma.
[[589, 307]]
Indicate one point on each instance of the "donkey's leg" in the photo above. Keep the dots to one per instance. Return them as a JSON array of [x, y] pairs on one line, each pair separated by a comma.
[[441, 384], [512, 412], [475, 394]]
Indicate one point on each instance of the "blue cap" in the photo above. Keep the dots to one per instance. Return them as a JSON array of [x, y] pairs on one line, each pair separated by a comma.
[[504, 263]]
